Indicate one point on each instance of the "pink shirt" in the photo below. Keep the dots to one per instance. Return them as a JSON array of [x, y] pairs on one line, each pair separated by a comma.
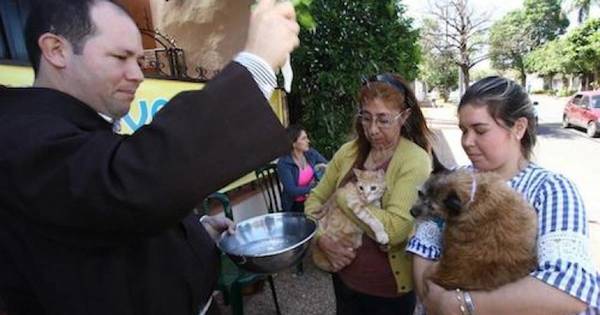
[[304, 178]]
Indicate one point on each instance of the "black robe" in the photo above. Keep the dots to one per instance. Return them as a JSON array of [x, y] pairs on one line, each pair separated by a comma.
[[92, 222]]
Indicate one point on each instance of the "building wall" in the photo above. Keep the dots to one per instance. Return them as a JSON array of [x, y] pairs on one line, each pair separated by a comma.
[[210, 32], [142, 14]]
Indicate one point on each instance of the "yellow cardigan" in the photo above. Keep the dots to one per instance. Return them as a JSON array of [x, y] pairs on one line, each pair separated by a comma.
[[409, 168]]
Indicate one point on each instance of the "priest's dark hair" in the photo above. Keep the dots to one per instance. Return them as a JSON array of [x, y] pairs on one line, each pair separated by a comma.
[[70, 19]]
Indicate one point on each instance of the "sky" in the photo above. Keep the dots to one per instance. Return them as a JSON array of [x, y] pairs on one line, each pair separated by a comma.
[[497, 8]]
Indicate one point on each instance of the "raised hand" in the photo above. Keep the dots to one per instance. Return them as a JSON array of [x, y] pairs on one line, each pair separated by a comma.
[[273, 32]]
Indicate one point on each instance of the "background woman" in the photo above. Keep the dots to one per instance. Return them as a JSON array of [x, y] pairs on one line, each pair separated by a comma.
[[391, 135], [298, 170], [498, 134]]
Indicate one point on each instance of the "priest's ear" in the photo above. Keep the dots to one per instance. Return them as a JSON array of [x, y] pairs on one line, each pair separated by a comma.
[[54, 50]]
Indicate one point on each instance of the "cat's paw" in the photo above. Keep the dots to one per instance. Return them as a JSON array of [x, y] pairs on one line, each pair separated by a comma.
[[382, 238]]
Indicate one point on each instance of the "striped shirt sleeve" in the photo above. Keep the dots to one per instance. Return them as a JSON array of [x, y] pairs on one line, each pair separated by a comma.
[[260, 70], [564, 259], [427, 241]]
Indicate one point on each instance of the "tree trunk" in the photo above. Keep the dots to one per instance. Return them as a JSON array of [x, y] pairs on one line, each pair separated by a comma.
[[523, 78], [522, 72], [566, 83], [465, 71]]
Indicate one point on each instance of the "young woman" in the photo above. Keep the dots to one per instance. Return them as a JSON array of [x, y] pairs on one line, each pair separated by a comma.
[[391, 135], [298, 170], [498, 134]]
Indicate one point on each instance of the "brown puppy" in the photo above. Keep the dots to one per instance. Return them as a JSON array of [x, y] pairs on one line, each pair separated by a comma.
[[490, 230]]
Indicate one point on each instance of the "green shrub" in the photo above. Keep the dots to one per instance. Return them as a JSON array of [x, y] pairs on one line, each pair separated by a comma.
[[542, 91], [352, 38], [566, 92]]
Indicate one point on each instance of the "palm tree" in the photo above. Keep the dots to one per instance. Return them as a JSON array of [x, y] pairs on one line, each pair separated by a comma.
[[583, 8]]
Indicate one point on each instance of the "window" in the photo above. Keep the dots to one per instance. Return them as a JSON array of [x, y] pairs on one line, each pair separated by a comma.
[[585, 102], [595, 101]]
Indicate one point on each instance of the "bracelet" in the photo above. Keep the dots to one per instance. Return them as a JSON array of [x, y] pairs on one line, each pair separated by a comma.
[[461, 306], [469, 303]]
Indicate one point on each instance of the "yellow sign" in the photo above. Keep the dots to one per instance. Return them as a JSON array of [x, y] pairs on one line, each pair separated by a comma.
[[151, 96]]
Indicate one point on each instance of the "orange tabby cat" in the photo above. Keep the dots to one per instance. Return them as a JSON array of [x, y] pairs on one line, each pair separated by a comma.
[[367, 190]]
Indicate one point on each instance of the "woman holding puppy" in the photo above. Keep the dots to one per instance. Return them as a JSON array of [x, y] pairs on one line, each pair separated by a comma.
[[392, 135], [498, 134]]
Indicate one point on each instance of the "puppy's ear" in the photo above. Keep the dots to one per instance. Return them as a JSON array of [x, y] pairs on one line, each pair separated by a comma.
[[452, 202]]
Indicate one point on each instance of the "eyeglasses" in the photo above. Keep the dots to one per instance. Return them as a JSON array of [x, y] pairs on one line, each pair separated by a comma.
[[382, 121]]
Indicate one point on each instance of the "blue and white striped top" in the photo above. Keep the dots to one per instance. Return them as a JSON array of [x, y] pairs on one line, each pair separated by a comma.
[[564, 259]]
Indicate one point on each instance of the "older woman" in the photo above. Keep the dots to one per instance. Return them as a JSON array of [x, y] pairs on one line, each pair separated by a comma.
[[498, 135], [391, 135]]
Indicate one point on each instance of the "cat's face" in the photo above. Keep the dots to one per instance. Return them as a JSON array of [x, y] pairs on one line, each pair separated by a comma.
[[370, 184]]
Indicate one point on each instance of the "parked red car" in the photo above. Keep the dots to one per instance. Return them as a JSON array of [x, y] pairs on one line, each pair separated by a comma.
[[583, 110]]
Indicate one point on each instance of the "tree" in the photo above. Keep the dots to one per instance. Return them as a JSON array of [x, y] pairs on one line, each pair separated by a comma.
[[509, 43], [437, 69], [459, 32], [439, 72], [522, 31], [551, 58], [352, 38], [576, 53], [545, 20], [585, 50]]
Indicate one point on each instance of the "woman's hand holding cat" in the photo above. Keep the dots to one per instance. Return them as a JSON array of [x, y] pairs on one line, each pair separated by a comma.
[[340, 254]]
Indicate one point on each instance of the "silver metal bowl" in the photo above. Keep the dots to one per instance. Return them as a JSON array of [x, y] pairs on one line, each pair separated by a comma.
[[269, 243]]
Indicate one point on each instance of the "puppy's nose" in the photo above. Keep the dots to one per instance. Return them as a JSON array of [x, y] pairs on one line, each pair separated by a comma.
[[415, 211]]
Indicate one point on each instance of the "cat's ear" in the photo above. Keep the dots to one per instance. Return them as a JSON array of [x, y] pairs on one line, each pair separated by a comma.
[[380, 173], [452, 203], [357, 172]]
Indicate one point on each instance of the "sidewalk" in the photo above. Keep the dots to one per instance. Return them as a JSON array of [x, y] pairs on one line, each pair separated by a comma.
[[444, 124]]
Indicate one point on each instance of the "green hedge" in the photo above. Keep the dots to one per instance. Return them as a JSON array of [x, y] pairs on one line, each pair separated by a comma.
[[351, 39]]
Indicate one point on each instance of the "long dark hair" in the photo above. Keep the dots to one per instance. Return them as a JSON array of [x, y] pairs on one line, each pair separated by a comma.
[[391, 89], [293, 132]]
